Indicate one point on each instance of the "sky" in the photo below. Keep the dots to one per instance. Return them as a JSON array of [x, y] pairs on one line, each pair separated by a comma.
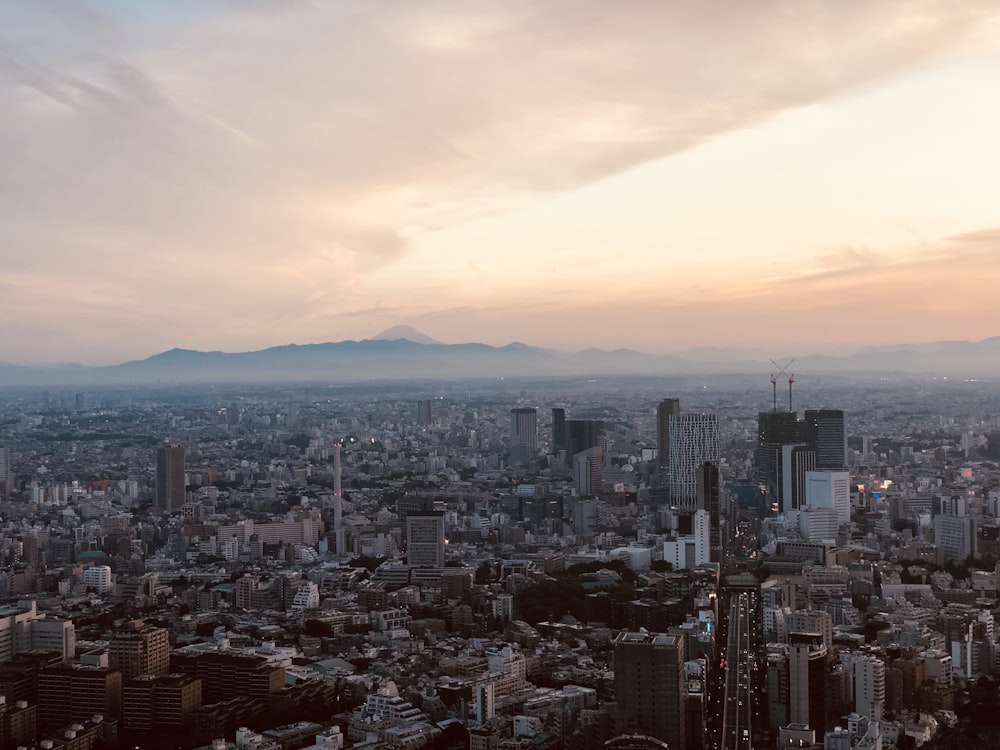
[[802, 175]]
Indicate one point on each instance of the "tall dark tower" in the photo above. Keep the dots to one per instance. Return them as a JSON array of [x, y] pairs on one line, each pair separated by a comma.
[[649, 685], [669, 407], [558, 430], [777, 432], [709, 498], [523, 435], [581, 435], [829, 436], [170, 487]]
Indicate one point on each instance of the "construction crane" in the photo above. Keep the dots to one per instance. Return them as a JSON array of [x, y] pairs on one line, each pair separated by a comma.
[[774, 390], [791, 379]]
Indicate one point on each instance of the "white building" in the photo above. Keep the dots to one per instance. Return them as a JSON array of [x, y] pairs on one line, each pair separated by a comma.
[[688, 550], [307, 597], [98, 578], [830, 489], [869, 687], [817, 524]]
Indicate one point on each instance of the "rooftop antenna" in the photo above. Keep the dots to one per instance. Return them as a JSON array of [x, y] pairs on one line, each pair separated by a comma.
[[791, 379]]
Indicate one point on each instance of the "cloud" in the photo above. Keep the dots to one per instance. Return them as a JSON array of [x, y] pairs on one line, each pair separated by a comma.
[[259, 161]]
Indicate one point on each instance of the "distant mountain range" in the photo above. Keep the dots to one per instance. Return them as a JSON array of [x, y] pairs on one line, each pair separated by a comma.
[[402, 353]]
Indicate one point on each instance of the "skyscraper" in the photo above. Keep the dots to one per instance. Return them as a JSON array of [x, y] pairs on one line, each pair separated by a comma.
[[668, 407], [710, 500], [693, 440], [170, 487], [581, 435], [807, 680], [425, 413], [523, 435], [649, 685], [558, 430], [6, 475], [829, 437], [425, 538]]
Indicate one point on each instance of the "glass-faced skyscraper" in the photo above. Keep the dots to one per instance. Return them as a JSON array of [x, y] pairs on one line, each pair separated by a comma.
[[693, 440]]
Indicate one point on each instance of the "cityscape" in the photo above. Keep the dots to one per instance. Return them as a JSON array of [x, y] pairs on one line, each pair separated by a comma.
[[455, 375], [501, 564]]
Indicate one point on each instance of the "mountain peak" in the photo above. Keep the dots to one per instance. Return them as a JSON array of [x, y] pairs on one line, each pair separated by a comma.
[[405, 332]]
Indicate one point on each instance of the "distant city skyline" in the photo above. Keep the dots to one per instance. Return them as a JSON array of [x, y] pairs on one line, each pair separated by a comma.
[[796, 176]]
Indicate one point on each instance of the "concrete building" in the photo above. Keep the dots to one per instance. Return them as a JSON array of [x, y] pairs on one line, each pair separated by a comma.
[[830, 489], [523, 435], [649, 685], [140, 648], [869, 687], [171, 490], [425, 538]]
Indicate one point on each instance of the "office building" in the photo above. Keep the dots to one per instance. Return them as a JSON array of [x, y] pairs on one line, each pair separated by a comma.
[[425, 412], [588, 471], [582, 435], [171, 491], [807, 694], [140, 648], [710, 500], [667, 408], [425, 538], [559, 444], [694, 439], [6, 473], [649, 685], [826, 488], [829, 436], [523, 435]]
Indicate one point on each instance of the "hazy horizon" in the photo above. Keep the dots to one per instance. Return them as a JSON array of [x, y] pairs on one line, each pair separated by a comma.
[[795, 177]]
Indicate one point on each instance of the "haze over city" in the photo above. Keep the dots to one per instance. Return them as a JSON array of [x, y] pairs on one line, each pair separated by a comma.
[[236, 175]]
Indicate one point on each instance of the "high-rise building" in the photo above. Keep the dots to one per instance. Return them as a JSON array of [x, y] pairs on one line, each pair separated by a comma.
[[668, 407], [710, 500], [425, 413], [425, 538], [826, 488], [140, 648], [160, 703], [558, 431], [581, 435], [6, 473], [694, 439], [588, 470], [869, 687], [170, 487], [649, 685], [523, 435], [807, 680], [829, 436], [76, 692]]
